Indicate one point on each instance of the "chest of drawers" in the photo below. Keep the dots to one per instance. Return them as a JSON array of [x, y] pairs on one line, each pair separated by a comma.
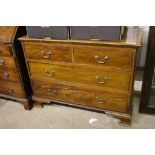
[[14, 79], [93, 75]]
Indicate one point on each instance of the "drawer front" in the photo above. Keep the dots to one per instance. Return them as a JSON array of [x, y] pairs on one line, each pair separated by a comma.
[[5, 50], [48, 52], [11, 89], [7, 62], [102, 100], [7, 33], [9, 75], [49, 90], [77, 95], [106, 56], [104, 77]]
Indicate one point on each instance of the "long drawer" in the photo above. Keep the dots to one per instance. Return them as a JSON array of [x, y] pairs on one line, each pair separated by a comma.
[[102, 77], [11, 89], [49, 52], [7, 62], [5, 50], [8, 74], [105, 56], [80, 96]]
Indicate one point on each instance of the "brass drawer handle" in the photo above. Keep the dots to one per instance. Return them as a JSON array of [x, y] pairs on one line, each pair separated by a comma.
[[103, 81], [5, 75], [10, 91], [47, 54], [1, 62], [52, 91], [101, 100], [52, 73], [104, 59]]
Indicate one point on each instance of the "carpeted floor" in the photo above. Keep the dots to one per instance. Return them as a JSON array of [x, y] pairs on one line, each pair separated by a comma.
[[13, 115]]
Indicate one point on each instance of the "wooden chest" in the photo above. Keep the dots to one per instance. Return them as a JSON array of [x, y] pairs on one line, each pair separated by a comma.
[[14, 79], [94, 75]]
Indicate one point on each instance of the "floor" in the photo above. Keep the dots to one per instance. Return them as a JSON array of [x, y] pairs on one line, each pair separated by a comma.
[[13, 115]]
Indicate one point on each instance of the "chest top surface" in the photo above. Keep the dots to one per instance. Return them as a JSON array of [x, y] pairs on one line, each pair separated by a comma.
[[131, 38]]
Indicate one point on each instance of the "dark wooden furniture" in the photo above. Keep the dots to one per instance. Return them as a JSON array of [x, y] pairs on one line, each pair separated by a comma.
[[93, 75], [14, 79], [147, 102]]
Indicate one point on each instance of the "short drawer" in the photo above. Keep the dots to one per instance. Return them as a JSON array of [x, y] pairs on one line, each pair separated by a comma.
[[5, 50], [7, 62], [42, 51], [80, 96], [9, 75], [104, 77], [105, 56], [11, 89]]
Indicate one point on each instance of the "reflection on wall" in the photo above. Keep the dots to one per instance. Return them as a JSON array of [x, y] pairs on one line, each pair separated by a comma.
[[143, 49]]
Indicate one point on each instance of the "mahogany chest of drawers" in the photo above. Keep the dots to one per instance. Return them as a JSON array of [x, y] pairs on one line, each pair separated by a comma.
[[93, 75], [14, 79]]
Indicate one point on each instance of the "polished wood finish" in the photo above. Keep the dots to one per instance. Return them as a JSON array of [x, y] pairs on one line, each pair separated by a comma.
[[119, 79], [9, 62], [5, 49], [8, 74], [101, 99], [7, 33], [96, 56], [80, 79], [48, 52], [14, 80], [12, 89]]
